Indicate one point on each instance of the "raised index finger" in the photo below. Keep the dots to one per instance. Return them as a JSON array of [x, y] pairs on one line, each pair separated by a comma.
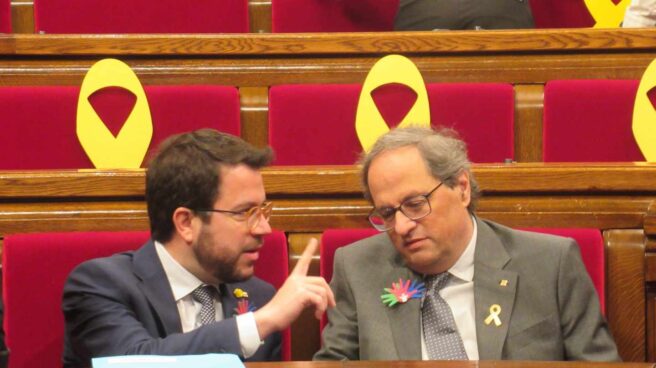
[[303, 264]]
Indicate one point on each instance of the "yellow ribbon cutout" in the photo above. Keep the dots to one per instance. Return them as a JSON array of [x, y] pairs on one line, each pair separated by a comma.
[[644, 115], [369, 123], [128, 149], [495, 310], [606, 14]]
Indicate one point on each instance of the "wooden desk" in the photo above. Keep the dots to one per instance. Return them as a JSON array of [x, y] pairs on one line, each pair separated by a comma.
[[447, 364]]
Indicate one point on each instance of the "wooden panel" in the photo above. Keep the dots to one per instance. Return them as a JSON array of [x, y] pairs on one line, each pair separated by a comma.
[[528, 122], [22, 16], [259, 12], [626, 292], [255, 115]]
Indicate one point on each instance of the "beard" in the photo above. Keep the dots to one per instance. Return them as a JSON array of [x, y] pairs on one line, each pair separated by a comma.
[[223, 264]]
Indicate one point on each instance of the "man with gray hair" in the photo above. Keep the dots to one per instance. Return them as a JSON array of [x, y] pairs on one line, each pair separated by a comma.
[[454, 286]]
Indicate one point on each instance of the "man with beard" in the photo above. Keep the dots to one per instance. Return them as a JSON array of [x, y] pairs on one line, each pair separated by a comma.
[[208, 213]]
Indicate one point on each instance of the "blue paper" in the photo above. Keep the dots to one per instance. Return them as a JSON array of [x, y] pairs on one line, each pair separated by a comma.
[[169, 361]]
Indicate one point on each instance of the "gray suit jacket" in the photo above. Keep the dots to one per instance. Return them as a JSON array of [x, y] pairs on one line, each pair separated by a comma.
[[123, 304], [549, 308]]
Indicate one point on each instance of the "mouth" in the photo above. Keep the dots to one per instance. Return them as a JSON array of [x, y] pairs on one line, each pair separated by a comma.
[[252, 254], [413, 244]]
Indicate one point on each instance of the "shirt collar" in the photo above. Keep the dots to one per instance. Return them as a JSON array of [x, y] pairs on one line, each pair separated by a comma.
[[182, 281], [464, 267]]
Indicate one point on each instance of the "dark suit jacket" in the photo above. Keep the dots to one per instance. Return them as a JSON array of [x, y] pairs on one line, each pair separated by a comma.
[[123, 304], [549, 307]]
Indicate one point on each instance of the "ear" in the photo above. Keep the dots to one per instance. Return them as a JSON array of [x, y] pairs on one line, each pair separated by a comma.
[[183, 221], [465, 188]]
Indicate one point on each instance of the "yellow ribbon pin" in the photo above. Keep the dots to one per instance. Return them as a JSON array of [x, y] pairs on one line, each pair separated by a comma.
[[644, 115], [605, 13], [128, 149], [369, 123], [239, 293], [495, 310]]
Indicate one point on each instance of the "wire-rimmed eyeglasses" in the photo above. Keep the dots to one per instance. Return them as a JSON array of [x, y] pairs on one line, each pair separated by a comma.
[[415, 208], [251, 216]]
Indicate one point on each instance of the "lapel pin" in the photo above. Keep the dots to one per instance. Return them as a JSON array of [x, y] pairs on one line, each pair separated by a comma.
[[495, 310], [239, 293], [402, 292], [243, 306], [503, 282]]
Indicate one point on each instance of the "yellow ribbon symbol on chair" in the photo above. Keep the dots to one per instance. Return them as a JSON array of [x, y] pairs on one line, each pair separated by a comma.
[[128, 149], [369, 123], [606, 13], [644, 115]]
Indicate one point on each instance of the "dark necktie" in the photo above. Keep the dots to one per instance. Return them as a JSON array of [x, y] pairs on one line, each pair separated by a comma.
[[204, 294], [443, 342]]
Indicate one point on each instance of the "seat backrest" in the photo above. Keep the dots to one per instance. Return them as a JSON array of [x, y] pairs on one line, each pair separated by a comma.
[[561, 14], [39, 123], [314, 124], [141, 16], [333, 16], [273, 267], [35, 268], [589, 121], [591, 245], [5, 16]]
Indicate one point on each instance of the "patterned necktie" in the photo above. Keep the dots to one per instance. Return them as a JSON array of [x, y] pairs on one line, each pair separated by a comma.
[[441, 335], [204, 294]]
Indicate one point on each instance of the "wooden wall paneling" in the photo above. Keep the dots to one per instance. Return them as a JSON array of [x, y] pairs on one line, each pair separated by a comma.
[[22, 16], [255, 115], [305, 330], [528, 122], [259, 12], [650, 265], [625, 288]]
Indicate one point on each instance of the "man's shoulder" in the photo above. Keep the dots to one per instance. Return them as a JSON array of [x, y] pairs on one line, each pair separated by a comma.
[[377, 244], [525, 241]]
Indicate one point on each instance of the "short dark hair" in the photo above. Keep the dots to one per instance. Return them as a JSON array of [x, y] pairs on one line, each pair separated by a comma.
[[185, 172]]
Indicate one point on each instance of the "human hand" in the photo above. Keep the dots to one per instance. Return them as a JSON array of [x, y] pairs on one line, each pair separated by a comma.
[[299, 291]]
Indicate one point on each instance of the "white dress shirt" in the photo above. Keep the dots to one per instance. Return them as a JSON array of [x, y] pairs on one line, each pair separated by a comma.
[[640, 13], [459, 295], [183, 283]]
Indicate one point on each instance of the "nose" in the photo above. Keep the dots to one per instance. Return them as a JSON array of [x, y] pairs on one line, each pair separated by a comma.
[[263, 227], [402, 224]]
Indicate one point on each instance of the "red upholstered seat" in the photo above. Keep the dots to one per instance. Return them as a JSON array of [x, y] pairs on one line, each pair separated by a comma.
[[589, 120], [333, 15], [590, 242], [35, 268], [5, 16], [561, 14], [315, 124], [39, 123], [141, 16]]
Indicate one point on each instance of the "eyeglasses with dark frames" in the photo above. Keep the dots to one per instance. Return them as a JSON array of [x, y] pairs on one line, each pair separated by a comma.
[[251, 216], [415, 208]]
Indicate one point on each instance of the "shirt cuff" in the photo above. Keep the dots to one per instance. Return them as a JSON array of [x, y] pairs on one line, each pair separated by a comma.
[[249, 337]]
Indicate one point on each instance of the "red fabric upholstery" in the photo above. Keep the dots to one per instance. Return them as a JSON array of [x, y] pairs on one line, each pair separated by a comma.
[[141, 16], [561, 14], [315, 124], [333, 15], [589, 120], [591, 245], [39, 122], [273, 267], [35, 268], [5, 16]]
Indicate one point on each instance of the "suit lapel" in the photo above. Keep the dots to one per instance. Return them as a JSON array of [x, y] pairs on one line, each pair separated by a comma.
[[228, 301], [156, 288], [403, 318], [493, 286]]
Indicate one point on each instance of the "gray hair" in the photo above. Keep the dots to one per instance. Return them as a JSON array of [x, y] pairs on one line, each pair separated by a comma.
[[444, 154]]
